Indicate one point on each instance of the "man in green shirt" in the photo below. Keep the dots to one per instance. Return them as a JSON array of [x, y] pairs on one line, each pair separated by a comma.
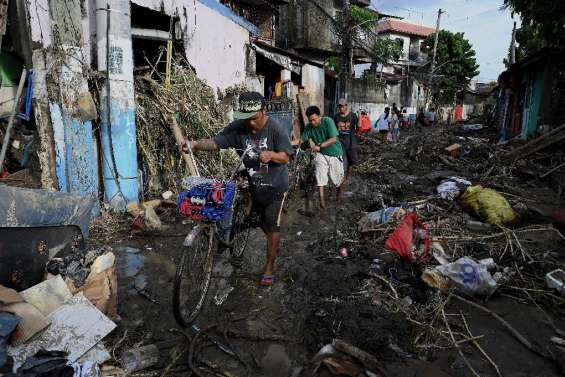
[[328, 156]]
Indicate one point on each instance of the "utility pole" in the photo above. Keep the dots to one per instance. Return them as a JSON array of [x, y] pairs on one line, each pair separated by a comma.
[[429, 91], [513, 45], [346, 51]]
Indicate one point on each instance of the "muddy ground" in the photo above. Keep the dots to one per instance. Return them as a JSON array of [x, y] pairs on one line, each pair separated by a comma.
[[319, 295]]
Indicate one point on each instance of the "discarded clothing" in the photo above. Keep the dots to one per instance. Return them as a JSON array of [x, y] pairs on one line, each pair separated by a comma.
[[46, 364], [451, 189]]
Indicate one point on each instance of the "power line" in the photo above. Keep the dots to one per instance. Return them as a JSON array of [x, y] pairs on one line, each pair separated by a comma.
[[467, 18]]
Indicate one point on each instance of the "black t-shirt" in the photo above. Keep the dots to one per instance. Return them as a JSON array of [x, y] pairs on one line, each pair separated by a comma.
[[268, 181], [347, 136]]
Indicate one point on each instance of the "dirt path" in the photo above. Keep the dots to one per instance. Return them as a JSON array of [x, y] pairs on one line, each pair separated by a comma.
[[319, 296]]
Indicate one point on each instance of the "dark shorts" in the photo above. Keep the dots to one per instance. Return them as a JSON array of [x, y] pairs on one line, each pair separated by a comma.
[[270, 214], [349, 151], [383, 132], [351, 155]]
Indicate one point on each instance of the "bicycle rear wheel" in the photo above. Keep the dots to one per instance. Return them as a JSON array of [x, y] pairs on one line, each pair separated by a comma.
[[192, 278]]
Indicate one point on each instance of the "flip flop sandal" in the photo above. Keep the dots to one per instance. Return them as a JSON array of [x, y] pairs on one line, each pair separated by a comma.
[[267, 280]]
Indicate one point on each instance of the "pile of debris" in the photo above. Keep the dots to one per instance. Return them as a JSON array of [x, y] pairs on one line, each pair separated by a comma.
[[447, 233], [55, 327], [199, 115]]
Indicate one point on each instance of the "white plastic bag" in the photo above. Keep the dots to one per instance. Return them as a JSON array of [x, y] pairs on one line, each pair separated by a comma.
[[469, 276]]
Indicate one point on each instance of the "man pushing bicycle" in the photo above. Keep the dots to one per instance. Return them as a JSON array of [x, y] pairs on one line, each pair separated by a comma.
[[267, 149]]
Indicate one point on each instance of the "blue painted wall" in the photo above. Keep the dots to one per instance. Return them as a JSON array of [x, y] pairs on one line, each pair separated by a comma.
[[124, 189]]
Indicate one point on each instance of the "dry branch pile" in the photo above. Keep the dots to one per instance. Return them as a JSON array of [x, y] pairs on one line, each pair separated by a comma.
[[199, 115]]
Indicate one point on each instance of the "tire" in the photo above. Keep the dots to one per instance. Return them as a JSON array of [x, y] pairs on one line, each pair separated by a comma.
[[240, 232], [192, 279]]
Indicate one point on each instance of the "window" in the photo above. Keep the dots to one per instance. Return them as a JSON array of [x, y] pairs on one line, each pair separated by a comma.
[[400, 43]]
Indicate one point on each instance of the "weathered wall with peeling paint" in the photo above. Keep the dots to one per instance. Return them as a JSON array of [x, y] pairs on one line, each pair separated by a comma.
[[313, 81], [215, 45]]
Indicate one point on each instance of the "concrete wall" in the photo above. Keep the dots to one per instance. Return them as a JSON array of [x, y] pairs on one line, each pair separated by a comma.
[[304, 27], [215, 45], [313, 81]]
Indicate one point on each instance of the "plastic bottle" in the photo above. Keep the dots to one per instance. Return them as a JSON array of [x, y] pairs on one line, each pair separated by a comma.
[[478, 226], [140, 358]]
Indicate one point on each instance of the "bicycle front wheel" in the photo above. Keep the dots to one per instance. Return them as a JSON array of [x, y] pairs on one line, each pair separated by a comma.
[[240, 231], [193, 275]]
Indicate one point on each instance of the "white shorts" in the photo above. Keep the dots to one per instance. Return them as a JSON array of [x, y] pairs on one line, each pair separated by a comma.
[[328, 166]]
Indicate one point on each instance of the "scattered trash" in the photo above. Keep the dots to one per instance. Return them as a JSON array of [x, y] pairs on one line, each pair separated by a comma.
[[76, 327], [343, 252], [48, 295], [101, 286], [454, 150], [222, 295], [167, 195], [467, 275], [343, 359], [477, 226], [474, 127], [411, 240], [383, 216], [556, 280], [32, 321], [489, 205], [46, 363], [299, 233], [451, 189], [439, 253], [145, 217], [140, 358], [406, 301]]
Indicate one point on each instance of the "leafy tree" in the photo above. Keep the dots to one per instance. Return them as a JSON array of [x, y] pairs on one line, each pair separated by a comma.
[[334, 64], [363, 17], [543, 23], [386, 51], [455, 66]]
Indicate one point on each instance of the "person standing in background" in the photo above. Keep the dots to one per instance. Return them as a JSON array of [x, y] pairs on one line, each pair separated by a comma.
[[382, 125], [364, 123], [346, 123]]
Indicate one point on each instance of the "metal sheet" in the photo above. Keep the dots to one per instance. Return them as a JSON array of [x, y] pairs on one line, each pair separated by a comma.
[[283, 61]]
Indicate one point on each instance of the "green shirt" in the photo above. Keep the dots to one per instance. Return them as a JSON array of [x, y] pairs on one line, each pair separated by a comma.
[[325, 131]]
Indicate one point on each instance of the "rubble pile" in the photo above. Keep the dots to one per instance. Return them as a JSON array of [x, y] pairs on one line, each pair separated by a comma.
[[199, 115]]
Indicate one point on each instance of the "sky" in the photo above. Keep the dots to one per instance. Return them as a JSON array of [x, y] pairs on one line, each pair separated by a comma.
[[488, 28]]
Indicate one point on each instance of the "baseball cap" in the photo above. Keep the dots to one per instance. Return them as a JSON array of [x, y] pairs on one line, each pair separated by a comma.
[[250, 103]]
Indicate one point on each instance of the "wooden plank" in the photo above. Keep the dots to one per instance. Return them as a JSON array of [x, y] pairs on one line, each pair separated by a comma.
[[538, 144], [179, 138]]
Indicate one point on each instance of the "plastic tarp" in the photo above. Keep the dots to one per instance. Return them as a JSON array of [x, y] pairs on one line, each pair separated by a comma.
[[20, 207]]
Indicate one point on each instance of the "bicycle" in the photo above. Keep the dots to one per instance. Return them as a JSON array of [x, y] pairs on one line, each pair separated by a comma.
[[207, 240]]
